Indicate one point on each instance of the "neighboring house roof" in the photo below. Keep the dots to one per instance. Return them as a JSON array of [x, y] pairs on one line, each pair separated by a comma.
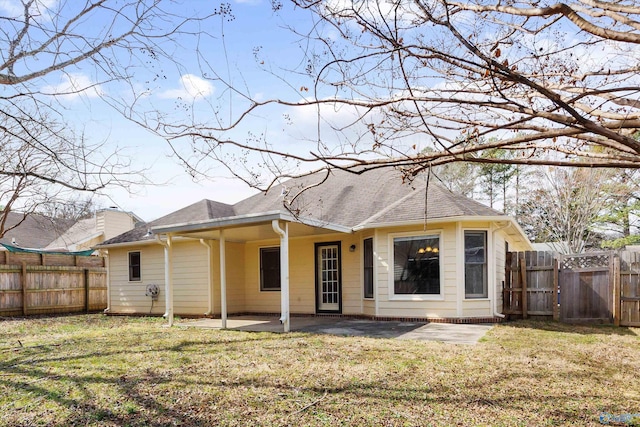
[[86, 233], [562, 247], [80, 232], [36, 231], [344, 199]]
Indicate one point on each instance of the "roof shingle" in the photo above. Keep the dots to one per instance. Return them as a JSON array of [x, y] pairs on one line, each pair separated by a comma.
[[36, 231], [378, 196]]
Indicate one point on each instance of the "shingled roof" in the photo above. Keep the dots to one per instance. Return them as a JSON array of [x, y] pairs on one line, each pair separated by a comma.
[[376, 196], [35, 231], [352, 200], [199, 211]]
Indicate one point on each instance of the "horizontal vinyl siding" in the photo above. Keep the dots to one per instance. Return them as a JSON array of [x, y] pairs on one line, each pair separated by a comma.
[[352, 275], [189, 278], [301, 278], [235, 267], [114, 223], [302, 299], [255, 300], [476, 308], [447, 307], [369, 307], [129, 297], [500, 269], [234, 257]]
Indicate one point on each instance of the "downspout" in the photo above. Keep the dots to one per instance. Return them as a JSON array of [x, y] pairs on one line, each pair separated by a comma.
[[168, 280], [493, 273], [284, 272], [223, 280], [209, 282], [106, 263]]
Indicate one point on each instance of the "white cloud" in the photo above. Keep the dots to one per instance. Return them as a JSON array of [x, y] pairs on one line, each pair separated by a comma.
[[40, 9], [192, 87], [73, 86]]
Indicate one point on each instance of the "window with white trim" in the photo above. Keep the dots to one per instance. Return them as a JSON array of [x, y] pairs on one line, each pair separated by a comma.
[[416, 265], [270, 269], [134, 267], [367, 245], [475, 264]]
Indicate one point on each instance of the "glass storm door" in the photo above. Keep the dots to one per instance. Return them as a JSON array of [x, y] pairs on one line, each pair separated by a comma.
[[328, 277]]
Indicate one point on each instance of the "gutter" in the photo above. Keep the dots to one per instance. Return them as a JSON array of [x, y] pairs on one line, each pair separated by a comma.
[[106, 261], [284, 272], [168, 283], [133, 243], [447, 219], [246, 220], [493, 242]]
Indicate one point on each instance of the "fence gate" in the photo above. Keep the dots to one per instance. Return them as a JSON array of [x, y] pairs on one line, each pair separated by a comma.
[[530, 274], [629, 308], [585, 292]]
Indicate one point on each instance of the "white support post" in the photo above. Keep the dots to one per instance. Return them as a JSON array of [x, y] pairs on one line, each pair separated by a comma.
[[168, 279], [223, 281], [284, 273]]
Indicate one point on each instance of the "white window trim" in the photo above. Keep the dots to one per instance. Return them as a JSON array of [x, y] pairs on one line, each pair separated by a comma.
[[489, 256], [267, 291], [129, 266], [391, 282]]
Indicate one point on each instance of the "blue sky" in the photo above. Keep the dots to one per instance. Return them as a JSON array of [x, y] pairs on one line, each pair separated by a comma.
[[226, 47], [255, 53], [229, 51]]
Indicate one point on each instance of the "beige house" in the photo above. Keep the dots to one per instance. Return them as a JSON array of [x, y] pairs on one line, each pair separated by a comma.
[[38, 232], [87, 233], [359, 245]]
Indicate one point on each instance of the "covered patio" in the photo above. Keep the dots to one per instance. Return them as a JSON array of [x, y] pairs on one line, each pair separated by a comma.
[[441, 332], [241, 229]]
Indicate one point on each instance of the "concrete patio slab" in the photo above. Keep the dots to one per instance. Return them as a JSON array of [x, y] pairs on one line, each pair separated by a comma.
[[443, 332]]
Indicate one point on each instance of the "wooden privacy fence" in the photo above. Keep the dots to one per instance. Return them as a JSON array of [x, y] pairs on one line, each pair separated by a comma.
[[48, 283], [628, 300], [601, 287]]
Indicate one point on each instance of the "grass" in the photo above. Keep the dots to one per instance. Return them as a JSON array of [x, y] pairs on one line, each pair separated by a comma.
[[97, 370]]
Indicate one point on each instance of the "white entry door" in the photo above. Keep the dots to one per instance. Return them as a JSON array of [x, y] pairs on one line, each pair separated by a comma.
[[328, 286]]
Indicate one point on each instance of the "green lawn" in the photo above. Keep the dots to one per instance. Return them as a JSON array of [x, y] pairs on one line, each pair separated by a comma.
[[97, 370]]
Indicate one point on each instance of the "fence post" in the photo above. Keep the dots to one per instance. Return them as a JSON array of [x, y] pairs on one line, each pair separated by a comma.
[[23, 283], [616, 290], [556, 289], [523, 283], [86, 290]]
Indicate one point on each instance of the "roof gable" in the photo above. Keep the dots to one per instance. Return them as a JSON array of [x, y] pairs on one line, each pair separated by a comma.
[[376, 196], [342, 198]]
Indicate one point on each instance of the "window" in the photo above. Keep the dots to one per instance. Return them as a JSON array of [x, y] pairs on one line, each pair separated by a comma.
[[269, 269], [475, 264], [416, 265], [134, 266], [368, 267]]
